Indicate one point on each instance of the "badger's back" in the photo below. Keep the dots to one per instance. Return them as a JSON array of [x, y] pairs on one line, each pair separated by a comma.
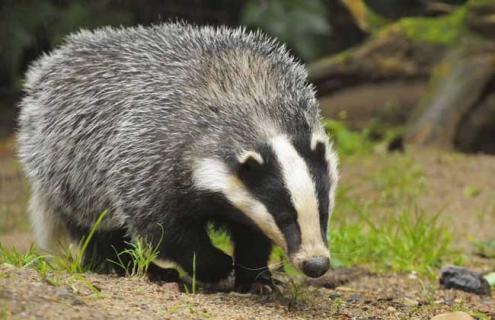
[[113, 116]]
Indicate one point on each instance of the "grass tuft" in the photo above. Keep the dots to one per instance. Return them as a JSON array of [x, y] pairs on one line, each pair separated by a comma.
[[21, 260], [410, 241], [72, 261], [141, 254]]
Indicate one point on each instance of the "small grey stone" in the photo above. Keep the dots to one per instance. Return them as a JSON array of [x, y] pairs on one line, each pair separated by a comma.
[[63, 293], [354, 298], [453, 277]]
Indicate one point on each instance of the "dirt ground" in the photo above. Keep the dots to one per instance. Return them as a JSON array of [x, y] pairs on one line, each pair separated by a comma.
[[24, 296], [460, 186]]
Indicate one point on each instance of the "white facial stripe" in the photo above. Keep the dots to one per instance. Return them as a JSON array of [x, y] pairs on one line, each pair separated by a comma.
[[213, 175], [332, 161], [297, 179]]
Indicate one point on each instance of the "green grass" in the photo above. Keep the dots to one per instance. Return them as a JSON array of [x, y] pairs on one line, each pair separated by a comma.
[[384, 229], [408, 241], [30, 258], [347, 142], [400, 182], [71, 260], [485, 248], [4, 313], [141, 253]]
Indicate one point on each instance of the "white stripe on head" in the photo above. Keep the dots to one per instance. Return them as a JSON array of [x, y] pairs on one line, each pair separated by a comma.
[[300, 185], [213, 175], [332, 162]]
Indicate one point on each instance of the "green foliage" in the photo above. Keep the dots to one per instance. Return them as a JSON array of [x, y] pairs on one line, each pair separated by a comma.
[[444, 30], [400, 182], [141, 254], [21, 260], [387, 231], [485, 248], [347, 142], [72, 260], [472, 192], [193, 284], [301, 24], [4, 313], [410, 241], [220, 239]]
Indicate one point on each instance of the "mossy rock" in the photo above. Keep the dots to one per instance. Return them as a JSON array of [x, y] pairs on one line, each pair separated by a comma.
[[480, 18]]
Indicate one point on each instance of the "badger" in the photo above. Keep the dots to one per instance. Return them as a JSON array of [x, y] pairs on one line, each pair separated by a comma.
[[171, 128]]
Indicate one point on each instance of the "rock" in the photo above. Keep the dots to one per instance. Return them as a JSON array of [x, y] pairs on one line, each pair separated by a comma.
[[453, 277], [459, 315], [63, 293]]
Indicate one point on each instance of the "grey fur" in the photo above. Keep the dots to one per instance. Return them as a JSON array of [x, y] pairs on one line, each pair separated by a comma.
[[114, 117]]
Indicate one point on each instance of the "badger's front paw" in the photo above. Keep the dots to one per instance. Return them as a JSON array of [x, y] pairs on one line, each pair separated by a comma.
[[261, 283]]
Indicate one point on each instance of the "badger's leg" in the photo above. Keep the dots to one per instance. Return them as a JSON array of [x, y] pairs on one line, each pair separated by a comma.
[[192, 249], [49, 230], [251, 253], [104, 253]]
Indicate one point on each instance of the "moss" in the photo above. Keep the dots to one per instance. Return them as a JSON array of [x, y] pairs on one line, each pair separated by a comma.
[[443, 31]]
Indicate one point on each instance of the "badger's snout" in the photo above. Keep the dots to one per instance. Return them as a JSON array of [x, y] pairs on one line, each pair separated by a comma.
[[315, 267]]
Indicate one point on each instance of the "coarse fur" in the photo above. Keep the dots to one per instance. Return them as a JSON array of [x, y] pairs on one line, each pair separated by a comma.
[[170, 127]]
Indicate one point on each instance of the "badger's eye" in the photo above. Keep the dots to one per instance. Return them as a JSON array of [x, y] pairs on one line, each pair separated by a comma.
[[250, 165]]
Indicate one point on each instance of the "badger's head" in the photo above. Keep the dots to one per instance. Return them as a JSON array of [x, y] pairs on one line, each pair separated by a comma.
[[286, 186]]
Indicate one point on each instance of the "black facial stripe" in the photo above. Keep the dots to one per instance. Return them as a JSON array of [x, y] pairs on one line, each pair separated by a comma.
[[266, 184], [318, 168]]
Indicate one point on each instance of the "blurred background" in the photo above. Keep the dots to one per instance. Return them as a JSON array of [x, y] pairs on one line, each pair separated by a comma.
[[423, 67]]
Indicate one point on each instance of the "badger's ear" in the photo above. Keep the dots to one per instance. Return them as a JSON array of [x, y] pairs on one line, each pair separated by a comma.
[[319, 145], [249, 161]]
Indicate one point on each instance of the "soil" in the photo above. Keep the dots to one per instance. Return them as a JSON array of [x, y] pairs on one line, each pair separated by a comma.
[[23, 295], [355, 295]]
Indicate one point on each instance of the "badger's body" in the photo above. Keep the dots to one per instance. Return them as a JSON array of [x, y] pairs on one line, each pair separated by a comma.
[[168, 128]]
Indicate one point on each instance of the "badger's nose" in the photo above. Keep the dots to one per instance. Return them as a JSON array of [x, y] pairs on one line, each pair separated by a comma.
[[316, 266]]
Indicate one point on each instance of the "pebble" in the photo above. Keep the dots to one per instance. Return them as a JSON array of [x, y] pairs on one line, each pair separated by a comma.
[[459, 315], [354, 298], [63, 293], [453, 277]]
